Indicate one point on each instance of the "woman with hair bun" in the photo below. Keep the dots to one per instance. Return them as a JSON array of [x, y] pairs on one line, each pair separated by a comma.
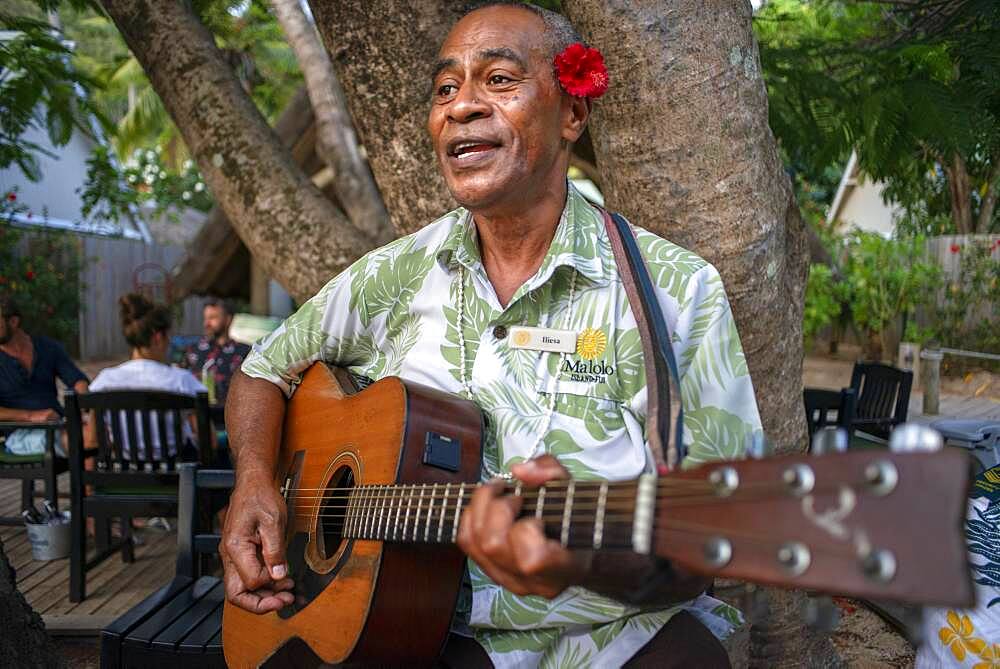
[[146, 327]]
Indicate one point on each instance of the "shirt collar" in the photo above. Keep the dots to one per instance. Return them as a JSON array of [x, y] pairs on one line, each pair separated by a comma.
[[580, 242]]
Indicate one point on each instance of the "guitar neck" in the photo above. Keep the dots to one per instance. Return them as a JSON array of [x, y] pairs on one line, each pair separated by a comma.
[[579, 514]]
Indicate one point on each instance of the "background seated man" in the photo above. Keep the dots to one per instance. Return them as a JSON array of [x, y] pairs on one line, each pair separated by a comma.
[[29, 365], [216, 347]]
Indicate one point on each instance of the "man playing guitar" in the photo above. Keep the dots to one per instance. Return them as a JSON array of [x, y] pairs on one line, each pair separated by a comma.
[[514, 301]]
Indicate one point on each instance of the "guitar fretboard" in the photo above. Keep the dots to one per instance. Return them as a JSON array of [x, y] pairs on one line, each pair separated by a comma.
[[591, 514]]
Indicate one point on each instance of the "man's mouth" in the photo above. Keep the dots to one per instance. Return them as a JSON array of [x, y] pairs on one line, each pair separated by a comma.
[[470, 148]]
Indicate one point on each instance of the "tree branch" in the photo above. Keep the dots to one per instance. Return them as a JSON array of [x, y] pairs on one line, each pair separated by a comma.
[[273, 205], [336, 141]]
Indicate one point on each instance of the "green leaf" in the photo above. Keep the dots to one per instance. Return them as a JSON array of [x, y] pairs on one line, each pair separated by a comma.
[[714, 434]]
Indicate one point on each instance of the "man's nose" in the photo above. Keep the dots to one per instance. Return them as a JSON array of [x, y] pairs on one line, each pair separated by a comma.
[[469, 104]]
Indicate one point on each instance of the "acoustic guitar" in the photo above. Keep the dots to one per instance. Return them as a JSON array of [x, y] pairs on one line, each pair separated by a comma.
[[375, 483]]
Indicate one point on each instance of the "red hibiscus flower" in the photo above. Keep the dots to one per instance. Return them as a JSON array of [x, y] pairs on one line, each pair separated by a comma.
[[955, 248], [29, 275], [12, 197], [581, 71]]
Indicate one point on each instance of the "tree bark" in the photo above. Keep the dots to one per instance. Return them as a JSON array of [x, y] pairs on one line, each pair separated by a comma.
[[23, 640], [989, 203], [299, 236], [684, 149], [959, 189], [336, 141], [383, 52]]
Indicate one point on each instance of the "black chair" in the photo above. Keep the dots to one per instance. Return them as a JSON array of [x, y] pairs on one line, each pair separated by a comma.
[[30, 468], [180, 624], [883, 393], [129, 477], [826, 408]]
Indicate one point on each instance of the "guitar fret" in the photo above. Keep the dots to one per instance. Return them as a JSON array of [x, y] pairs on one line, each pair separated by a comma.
[[348, 510], [444, 506], [360, 513], [602, 501], [567, 513], [540, 504], [383, 501], [458, 512], [370, 515], [399, 507], [430, 512], [420, 503], [409, 505]]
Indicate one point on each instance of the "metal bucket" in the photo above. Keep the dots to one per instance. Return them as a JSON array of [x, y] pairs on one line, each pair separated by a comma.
[[50, 541]]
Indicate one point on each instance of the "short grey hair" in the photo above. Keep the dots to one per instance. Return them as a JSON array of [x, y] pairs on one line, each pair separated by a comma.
[[559, 32]]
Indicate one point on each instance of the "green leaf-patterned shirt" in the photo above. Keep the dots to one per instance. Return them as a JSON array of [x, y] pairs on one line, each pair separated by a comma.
[[394, 312]]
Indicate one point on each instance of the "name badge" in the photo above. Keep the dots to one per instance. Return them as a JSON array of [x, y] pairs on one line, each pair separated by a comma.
[[542, 339]]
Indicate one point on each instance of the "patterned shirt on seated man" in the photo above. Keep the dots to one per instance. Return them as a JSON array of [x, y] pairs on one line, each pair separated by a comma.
[[215, 353]]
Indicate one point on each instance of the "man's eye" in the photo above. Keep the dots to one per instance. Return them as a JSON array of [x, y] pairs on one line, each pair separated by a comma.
[[445, 90], [499, 79]]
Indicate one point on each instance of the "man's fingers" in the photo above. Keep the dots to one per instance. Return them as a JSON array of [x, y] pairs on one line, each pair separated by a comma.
[[272, 547], [540, 470], [243, 555]]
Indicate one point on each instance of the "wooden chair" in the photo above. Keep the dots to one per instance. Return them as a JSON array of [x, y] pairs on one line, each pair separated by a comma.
[[826, 408], [30, 468], [180, 624], [129, 477], [883, 399]]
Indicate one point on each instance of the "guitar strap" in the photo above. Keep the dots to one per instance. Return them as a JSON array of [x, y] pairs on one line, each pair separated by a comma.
[[663, 404]]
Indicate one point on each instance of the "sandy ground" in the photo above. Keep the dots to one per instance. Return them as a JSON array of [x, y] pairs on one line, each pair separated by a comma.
[[834, 371]]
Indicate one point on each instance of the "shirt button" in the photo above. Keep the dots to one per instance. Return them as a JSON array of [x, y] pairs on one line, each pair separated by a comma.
[[500, 332]]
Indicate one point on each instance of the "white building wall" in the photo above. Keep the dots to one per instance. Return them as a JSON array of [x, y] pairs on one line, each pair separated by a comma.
[[61, 177]]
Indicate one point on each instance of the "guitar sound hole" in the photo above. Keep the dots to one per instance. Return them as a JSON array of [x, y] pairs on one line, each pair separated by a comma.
[[331, 514]]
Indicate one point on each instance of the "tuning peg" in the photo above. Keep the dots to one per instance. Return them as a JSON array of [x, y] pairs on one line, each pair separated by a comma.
[[915, 438], [822, 614], [829, 440]]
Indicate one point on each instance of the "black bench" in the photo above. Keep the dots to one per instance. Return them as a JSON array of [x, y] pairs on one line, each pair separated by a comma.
[[179, 625]]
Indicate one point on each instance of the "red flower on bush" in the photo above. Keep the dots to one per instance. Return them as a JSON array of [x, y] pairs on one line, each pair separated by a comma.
[[29, 275], [12, 197], [955, 248], [581, 71], [3, 280]]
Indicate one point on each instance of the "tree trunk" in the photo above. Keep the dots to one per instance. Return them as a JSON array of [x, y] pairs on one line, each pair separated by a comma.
[[384, 51], [23, 640], [299, 236], [684, 149], [336, 141], [989, 203], [959, 190]]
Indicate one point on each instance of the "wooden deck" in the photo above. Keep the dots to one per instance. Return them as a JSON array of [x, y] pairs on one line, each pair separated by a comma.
[[113, 587]]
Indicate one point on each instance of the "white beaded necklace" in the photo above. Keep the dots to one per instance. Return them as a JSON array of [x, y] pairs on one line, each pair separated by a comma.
[[567, 321]]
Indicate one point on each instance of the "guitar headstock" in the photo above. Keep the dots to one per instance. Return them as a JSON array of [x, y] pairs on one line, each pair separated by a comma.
[[865, 523]]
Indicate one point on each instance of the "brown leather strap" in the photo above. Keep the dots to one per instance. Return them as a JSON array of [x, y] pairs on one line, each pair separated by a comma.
[[663, 408]]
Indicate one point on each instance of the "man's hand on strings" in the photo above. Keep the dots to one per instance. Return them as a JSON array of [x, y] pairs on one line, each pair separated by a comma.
[[516, 554], [253, 547]]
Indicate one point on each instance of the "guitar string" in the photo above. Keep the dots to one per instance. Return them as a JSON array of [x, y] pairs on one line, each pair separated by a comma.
[[577, 511], [623, 525], [529, 495]]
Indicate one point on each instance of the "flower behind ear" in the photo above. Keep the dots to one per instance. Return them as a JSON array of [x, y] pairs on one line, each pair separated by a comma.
[[581, 71]]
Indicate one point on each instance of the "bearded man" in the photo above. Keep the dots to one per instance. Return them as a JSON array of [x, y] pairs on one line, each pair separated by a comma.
[[436, 307]]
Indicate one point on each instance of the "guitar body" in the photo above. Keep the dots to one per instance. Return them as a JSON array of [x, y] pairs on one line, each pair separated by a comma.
[[361, 602]]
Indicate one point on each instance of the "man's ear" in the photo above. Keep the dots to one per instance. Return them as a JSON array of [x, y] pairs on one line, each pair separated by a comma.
[[576, 117]]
